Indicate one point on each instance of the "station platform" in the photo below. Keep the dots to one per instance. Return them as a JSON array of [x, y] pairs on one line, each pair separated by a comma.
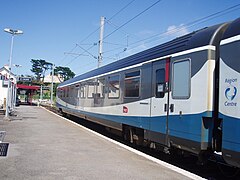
[[43, 145]]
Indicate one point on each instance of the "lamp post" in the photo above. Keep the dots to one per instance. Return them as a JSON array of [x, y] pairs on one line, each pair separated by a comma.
[[13, 33], [53, 66], [17, 79]]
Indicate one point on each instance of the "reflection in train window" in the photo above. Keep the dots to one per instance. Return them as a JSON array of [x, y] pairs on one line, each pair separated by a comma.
[[132, 84], [90, 89], [113, 86], [100, 87], [82, 91], [181, 79]]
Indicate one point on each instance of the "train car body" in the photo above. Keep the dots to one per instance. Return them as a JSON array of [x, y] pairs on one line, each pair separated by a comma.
[[229, 103], [168, 94]]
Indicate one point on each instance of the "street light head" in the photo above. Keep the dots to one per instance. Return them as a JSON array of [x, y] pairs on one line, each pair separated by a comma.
[[13, 32], [8, 30], [18, 32]]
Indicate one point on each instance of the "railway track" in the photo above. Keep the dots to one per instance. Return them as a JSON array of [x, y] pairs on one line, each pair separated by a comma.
[[210, 170]]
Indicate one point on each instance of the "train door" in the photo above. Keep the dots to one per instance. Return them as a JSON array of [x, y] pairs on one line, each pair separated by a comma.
[[160, 101], [180, 122]]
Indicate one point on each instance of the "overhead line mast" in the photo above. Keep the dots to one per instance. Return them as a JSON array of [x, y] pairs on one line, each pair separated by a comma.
[[101, 41]]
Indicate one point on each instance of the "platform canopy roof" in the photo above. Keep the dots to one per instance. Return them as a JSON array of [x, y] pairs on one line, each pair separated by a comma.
[[23, 86]]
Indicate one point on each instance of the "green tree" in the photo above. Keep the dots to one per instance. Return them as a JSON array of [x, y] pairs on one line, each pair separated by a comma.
[[39, 68], [65, 73]]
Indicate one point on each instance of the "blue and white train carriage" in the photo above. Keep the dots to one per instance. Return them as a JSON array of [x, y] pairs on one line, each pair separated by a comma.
[[182, 94], [229, 93]]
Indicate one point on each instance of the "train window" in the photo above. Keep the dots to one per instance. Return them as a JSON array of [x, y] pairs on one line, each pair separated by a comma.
[[100, 87], [71, 91], [67, 92], [181, 79], [160, 83], [113, 86], [132, 84], [64, 92], [60, 92], [91, 89], [77, 90], [82, 91]]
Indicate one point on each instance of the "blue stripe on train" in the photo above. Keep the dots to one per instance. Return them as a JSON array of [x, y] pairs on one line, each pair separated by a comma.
[[231, 133], [186, 126]]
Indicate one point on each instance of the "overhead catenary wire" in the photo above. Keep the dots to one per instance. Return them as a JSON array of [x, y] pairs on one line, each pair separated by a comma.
[[119, 27], [190, 24], [125, 33], [116, 27], [176, 30], [118, 12], [195, 22], [124, 24], [66, 55], [96, 30], [85, 50], [79, 55]]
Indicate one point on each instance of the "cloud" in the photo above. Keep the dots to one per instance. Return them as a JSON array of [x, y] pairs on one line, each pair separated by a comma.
[[176, 31], [172, 31]]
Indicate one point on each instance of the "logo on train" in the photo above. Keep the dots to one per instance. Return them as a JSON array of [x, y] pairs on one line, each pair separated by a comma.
[[231, 92]]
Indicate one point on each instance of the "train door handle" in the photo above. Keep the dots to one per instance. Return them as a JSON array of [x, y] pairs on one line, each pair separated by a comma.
[[165, 107], [171, 107]]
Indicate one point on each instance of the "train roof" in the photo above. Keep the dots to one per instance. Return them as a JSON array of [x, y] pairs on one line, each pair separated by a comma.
[[192, 40], [233, 29]]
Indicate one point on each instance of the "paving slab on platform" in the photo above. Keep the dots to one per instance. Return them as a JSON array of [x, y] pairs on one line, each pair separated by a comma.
[[45, 146]]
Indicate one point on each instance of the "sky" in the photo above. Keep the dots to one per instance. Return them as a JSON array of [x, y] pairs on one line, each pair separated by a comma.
[[66, 32]]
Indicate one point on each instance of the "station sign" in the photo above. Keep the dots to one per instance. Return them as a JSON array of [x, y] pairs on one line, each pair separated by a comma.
[[25, 79]]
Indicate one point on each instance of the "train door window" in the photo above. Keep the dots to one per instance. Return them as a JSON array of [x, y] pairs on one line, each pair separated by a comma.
[[82, 91], [181, 79], [160, 83], [91, 89], [100, 87], [113, 86], [132, 84]]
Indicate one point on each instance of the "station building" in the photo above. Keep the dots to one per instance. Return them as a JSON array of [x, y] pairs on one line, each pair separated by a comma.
[[5, 76]]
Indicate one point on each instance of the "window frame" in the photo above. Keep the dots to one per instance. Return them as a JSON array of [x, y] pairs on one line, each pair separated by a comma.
[[133, 77], [94, 88], [189, 80], [82, 87], [158, 94], [67, 92], [115, 75], [104, 87]]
